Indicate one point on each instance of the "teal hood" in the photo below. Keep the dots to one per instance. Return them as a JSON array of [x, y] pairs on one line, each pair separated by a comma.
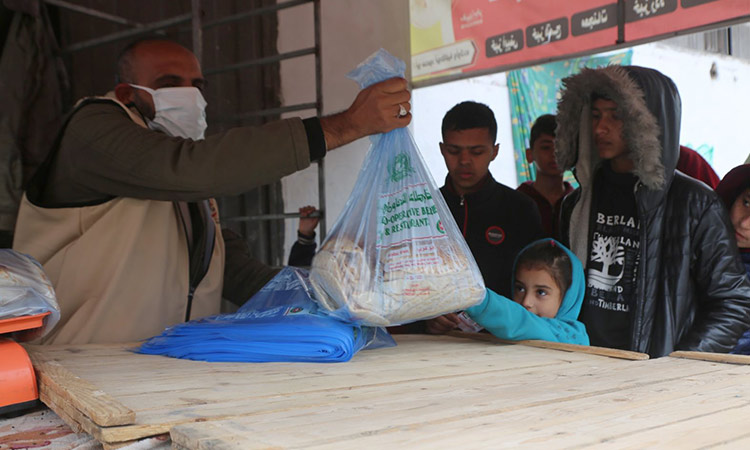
[[570, 307], [507, 319]]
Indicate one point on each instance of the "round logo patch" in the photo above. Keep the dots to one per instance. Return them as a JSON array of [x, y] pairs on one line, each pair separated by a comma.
[[440, 228], [494, 235]]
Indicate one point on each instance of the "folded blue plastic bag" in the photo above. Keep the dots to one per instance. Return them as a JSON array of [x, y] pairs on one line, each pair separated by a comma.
[[281, 323]]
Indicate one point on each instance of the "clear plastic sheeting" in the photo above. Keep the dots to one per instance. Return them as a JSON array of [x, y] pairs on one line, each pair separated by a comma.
[[281, 323], [395, 254], [25, 289]]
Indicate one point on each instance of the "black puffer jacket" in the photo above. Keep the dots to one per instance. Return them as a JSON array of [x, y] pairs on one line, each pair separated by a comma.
[[497, 223], [692, 292]]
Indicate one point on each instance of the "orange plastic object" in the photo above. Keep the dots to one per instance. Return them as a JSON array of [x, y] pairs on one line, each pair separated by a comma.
[[17, 380], [22, 323]]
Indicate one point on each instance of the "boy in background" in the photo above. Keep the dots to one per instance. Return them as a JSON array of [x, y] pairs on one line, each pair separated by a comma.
[[496, 220], [548, 189]]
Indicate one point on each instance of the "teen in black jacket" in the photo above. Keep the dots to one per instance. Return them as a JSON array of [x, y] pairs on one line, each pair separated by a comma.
[[676, 260]]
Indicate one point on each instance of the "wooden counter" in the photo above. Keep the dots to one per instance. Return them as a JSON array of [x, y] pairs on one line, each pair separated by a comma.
[[428, 392]]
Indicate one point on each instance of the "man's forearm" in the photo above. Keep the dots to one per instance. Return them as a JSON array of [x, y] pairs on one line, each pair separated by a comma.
[[104, 153]]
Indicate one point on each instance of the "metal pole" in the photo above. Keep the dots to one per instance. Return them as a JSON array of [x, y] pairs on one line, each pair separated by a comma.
[[197, 30], [94, 13], [729, 41], [145, 29], [261, 61], [278, 216], [319, 100], [620, 22], [254, 12], [264, 112]]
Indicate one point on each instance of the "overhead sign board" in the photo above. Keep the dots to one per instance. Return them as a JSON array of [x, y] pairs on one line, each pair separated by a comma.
[[461, 36]]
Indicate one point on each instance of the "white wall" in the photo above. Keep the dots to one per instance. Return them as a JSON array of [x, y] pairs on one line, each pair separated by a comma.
[[351, 31], [714, 110], [430, 105]]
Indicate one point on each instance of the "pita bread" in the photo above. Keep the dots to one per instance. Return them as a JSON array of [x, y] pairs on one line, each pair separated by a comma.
[[412, 281]]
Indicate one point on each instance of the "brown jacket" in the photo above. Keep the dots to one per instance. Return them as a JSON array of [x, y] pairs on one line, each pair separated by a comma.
[[101, 220]]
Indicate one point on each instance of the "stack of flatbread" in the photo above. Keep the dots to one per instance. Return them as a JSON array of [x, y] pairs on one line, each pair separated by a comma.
[[399, 284]]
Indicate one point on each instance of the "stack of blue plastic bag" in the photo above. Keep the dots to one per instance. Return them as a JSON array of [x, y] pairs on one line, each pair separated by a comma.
[[281, 323]]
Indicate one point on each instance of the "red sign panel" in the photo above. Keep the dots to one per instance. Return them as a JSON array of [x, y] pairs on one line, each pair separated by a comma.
[[645, 19], [459, 36]]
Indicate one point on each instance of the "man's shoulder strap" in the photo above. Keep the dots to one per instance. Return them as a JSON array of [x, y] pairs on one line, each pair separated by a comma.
[[37, 181], [110, 98]]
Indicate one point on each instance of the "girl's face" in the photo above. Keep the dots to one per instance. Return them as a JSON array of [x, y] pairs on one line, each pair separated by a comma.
[[537, 291], [740, 216]]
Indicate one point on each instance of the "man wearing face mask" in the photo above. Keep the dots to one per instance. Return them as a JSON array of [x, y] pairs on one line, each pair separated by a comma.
[[121, 214]]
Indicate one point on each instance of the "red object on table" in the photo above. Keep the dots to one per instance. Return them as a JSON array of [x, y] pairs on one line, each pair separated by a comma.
[[18, 387]]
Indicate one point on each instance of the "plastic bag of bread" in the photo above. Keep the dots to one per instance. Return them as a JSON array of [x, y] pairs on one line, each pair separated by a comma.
[[395, 254]]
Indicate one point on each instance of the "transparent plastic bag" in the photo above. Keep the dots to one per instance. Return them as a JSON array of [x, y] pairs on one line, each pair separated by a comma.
[[395, 254], [25, 290]]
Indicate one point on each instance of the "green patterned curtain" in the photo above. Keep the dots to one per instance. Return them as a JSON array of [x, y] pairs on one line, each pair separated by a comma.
[[535, 90]]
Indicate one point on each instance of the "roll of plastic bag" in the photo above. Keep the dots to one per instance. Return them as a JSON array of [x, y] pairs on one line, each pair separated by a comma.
[[281, 323]]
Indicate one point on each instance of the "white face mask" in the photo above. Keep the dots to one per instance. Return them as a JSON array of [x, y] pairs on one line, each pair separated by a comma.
[[179, 111]]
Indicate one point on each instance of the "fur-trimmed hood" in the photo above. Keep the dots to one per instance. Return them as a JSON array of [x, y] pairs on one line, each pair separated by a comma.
[[649, 106]]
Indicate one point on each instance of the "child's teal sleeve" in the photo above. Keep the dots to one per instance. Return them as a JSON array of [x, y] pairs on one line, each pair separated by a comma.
[[507, 319]]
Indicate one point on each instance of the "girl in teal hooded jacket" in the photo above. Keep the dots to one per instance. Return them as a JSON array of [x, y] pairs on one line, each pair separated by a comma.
[[548, 289]]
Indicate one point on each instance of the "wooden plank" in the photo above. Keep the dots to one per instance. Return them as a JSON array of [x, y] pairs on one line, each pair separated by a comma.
[[588, 349], [612, 416], [241, 382], [427, 386], [205, 437], [742, 443], [168, 375], [575, 421], [243, 402], [307, 377], [591, 350], [92, 401], [61, 410], [724, 428], [354, 418], [714, 357], [72, 415]]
